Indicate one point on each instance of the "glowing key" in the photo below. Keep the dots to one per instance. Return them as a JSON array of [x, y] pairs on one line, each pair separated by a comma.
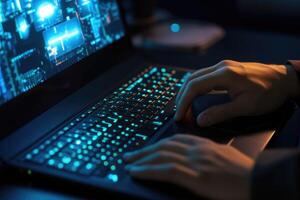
[[113, 168], [103, 157], [113, 177], [66, 160], [51, 162]]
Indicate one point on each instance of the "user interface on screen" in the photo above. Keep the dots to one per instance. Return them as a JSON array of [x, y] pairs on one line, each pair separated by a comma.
[[40, 38]]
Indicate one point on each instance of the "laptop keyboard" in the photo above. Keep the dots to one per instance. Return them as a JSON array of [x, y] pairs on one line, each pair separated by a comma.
[[92, 143]]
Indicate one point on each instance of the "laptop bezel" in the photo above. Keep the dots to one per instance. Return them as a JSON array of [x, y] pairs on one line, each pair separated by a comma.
[[26, 106]]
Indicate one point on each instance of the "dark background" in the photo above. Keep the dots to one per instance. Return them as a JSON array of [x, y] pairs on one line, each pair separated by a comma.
[[262, 38], [229, 14]]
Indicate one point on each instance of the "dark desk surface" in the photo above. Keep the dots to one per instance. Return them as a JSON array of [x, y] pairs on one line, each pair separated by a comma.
[[239, 45]]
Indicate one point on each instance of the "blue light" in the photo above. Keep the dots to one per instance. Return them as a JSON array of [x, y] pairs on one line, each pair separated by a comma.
[[46, 10], [113, 177], [47, 13], [39, 38], [22, 27], [78, 142], [18, 4], [63, 38], [85, 2], [175, 28], [3, 89], [66, 160], [1, 13]]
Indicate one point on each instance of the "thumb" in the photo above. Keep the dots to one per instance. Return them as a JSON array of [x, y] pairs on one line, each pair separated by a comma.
[[218, 114]]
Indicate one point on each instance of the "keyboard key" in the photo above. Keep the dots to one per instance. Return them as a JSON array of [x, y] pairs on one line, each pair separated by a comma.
[[92, 144], [87, 169]]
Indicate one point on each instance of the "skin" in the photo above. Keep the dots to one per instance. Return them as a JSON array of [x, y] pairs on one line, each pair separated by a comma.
[[203, 166]]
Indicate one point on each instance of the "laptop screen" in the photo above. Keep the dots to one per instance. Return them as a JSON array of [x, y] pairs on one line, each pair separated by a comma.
[[40, 38]]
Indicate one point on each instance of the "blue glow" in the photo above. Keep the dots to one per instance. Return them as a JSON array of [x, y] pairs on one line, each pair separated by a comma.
[[103, 157], [63, 38], [51, 162], [3, 89], [18, 5], [113, 177], [89, 166], [66, 160], [1, 14], [78, 142], [22, 27], [46, 10], [1, 28], [85, 2], [40, 38], [175, 28], [47, 13]]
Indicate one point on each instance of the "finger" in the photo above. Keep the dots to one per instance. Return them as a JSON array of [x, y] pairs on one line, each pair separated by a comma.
[[197, 87], [205, 71], [190, 140], [172, 173], [189, 117], [161, 157], [164, 145], [196, 74], [220, 113]]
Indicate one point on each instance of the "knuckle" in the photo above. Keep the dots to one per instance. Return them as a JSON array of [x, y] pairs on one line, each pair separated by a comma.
[[159, 157], [191, 85], [168, 144], [190, 78], [226, 62], [179, 136], [205, 159], [198, 149], [204, 149], [230, 71], [162, 154], [173, 168], [175, 171]]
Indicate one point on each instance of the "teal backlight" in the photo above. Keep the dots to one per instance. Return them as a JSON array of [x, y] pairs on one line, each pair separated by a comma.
[[175, 27]]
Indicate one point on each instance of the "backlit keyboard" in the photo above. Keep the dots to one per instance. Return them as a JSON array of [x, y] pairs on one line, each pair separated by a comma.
[[92, 143]]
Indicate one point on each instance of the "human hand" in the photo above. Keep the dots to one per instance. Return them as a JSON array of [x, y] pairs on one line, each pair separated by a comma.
[[254, 88], [206, 168]]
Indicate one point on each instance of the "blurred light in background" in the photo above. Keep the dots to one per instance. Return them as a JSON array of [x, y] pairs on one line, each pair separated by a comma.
[[175, 27]]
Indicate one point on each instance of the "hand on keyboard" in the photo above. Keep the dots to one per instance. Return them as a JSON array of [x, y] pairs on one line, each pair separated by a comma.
[[255, 89], [194, 163], [92, 143]]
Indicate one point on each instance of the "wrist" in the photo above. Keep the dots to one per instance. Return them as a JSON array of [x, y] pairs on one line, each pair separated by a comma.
[[293, 83], [248, 180]]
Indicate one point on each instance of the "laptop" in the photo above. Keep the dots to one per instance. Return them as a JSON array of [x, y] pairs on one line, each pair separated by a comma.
[[75, 95]]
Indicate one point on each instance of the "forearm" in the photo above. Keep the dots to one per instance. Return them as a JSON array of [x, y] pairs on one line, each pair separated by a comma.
[[296, 66]]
